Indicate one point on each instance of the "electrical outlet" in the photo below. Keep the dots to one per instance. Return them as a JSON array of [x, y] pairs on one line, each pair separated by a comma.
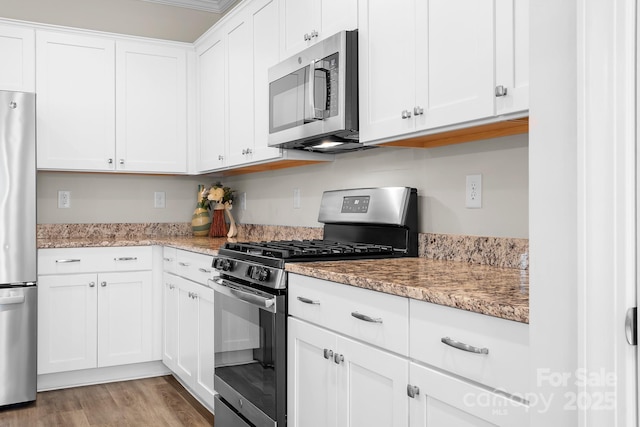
[[474, 191], [159, 199], [296, 198], [243, 201], [64, 199]]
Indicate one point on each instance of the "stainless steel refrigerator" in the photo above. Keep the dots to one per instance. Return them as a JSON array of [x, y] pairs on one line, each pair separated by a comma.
[[18, 291]]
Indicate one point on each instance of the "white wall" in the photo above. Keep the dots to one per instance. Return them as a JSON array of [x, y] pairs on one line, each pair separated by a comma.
[[113, 198], [438, 174]]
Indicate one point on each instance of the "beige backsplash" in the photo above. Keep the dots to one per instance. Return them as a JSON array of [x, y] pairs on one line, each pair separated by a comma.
[[494, 251]]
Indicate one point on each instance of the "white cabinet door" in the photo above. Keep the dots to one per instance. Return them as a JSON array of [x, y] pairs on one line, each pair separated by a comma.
[[205, 355], [169, 321], [512, 55], [264, 18], [67, 322], [151, 122], [311, 376], [125, 313], [299, 19], [75, 82], [17, 56], [186, 361], [372, 386], [387, 66], [239, 36], [305, 22], [212, 112], [455, 62], [441, 400]]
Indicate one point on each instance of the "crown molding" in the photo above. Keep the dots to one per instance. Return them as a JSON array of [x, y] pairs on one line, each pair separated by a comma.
[[214, 6]]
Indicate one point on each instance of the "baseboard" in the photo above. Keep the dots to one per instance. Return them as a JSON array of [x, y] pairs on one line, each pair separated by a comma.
[[101, 375]]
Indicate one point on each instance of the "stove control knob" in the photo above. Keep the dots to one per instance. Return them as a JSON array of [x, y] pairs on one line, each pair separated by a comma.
[[249, 271], [223, 264], [263, 276]]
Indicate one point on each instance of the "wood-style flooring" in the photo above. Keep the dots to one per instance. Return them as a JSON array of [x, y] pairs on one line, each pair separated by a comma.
[[159, 401]]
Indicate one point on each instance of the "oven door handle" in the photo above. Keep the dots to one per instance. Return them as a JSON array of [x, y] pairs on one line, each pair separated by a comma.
[[233, 291]]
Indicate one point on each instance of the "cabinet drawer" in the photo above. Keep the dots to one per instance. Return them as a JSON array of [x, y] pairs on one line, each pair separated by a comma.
[[373, 317], [504, 366], [169, 259], [84, 260], [194, 266]]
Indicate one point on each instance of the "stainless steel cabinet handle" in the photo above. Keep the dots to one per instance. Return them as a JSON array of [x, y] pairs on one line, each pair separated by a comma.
[[220, 157], [406, 114], [168, 259], [314, 33], [412, 391], [194, 295], [184, 264], [418, 111], [92, 284], [66, 261], [464, 347], [308, 301], [204, 270], [121, 161], [110, 161], [307, 37], [366, 318], [328, 354], [190, 294], [501, 91], [103, 284], [171, 287], [126, 258], [338, 358]]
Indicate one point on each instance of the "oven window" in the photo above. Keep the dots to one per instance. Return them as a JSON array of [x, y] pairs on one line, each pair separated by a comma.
[[244, 351]]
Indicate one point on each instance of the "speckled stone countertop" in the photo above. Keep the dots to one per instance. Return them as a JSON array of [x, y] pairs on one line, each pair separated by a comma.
[[203, 245], [494, 291]]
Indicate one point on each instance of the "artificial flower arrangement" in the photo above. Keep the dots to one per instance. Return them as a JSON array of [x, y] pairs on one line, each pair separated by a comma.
[[220, 199]]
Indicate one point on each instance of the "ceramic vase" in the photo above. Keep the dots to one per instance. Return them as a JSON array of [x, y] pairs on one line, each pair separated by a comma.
[[200, 222]]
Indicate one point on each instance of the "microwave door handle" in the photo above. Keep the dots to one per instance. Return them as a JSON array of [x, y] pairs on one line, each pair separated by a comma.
[[314, 114]]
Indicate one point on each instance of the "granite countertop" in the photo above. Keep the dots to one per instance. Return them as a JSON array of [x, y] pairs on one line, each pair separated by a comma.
[[494, 291], [205, 245]]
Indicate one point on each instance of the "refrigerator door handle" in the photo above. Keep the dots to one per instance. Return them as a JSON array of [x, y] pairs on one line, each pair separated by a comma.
[[12, 299]]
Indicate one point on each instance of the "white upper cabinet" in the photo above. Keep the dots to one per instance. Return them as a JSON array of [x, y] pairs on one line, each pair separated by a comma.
[[110, 106], [17, 56], [512, 55], [428, 65], [304, 22], [75, 82], [151, 106], [211, 104]]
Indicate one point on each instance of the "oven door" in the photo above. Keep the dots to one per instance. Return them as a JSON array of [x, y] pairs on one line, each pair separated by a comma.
[[250, 352]]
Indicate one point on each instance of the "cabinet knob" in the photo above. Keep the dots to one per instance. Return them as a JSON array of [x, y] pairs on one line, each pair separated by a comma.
[[110, 161], [328, 354], [92, 284], [248, 151], [121, 161], [307, 37], [418, 111], [338, 358], [406, 114], [314, 34], [413, 391], [103, 284], [501, 91], [220, 157]]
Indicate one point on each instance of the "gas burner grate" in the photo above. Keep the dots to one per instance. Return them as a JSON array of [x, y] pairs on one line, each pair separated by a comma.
[[288, 249]]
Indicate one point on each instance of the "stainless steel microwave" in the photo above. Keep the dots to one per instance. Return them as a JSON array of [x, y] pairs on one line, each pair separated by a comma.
[[313, 97]]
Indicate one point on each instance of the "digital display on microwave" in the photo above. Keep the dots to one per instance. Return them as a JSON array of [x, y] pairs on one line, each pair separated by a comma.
[[355, 204]]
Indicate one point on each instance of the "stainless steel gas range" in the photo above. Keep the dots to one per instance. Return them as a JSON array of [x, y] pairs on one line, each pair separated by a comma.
[[251, 290]]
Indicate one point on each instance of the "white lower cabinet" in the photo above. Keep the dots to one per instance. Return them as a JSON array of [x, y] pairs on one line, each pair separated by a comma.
[[188, 348], [334, 380], [343, 374], [94, 320], [441, 400]]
